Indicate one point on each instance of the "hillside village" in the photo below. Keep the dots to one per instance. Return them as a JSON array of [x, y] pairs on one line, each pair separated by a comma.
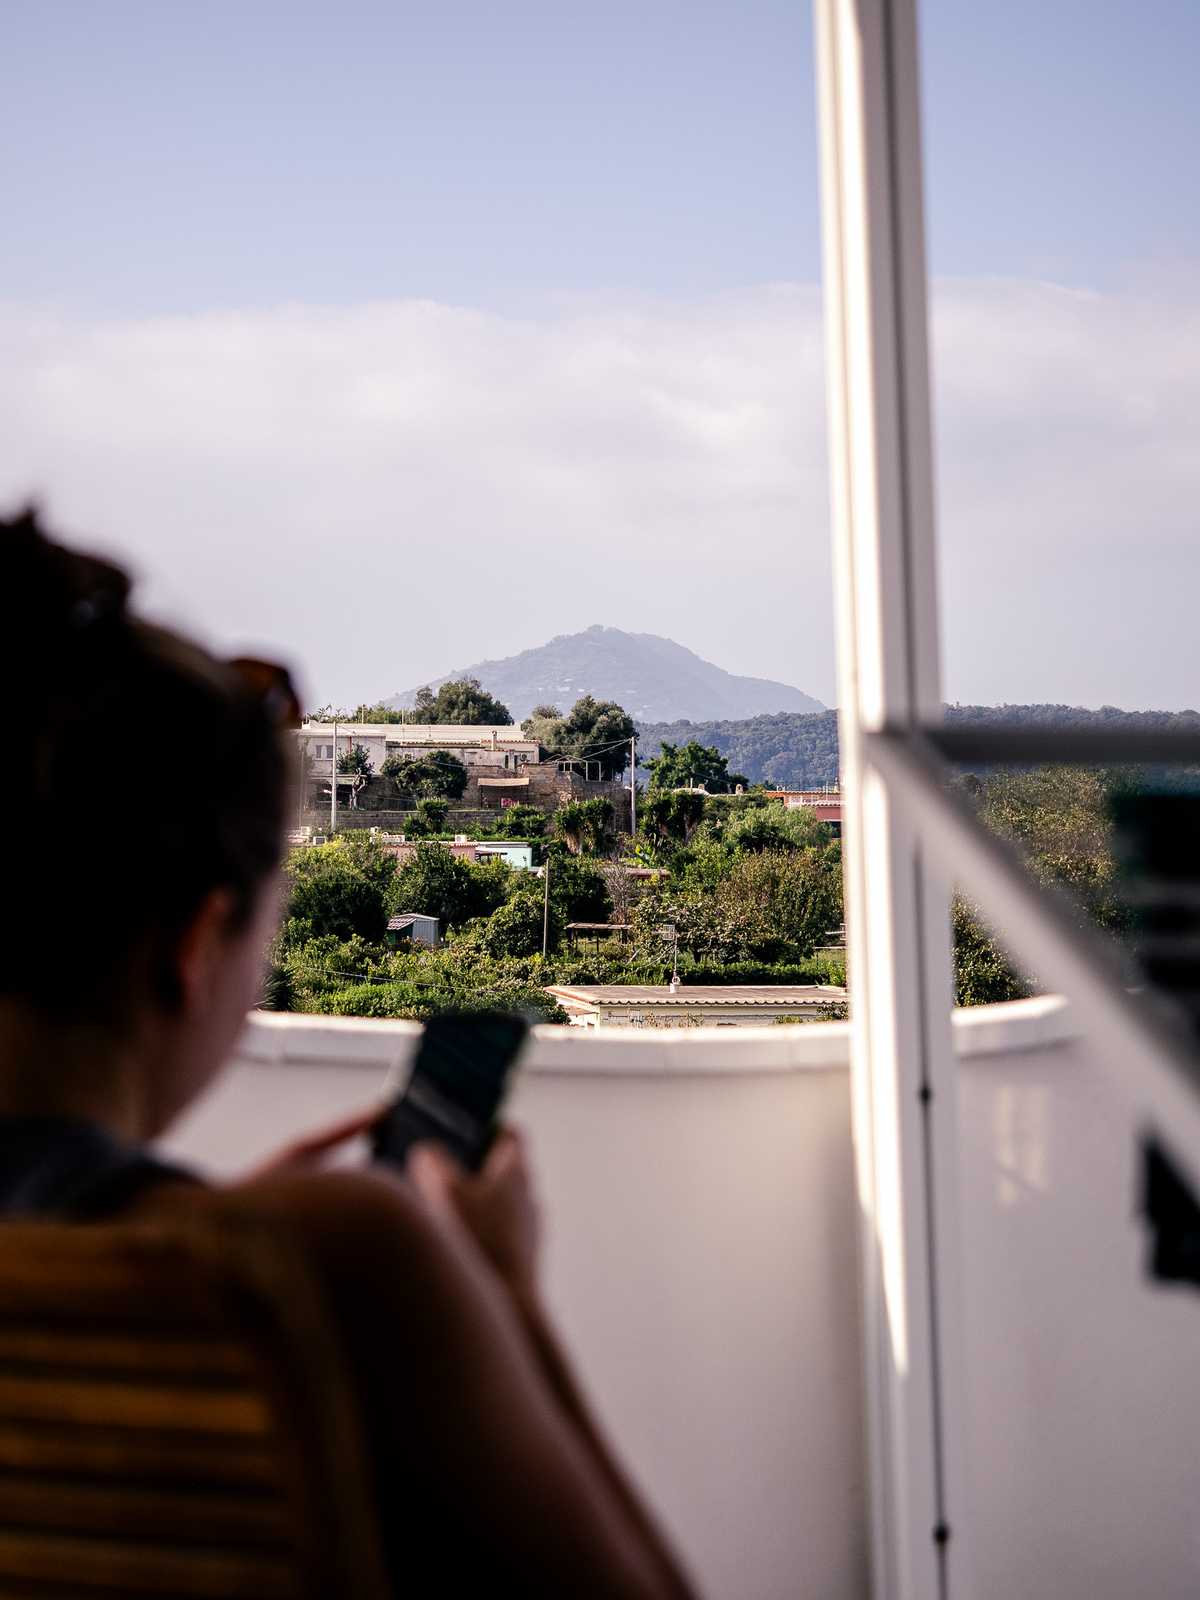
[[595, 871], [462, 863]]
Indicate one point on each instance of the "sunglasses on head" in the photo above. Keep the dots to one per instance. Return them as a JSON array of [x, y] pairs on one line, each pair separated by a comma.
[[271, 684]]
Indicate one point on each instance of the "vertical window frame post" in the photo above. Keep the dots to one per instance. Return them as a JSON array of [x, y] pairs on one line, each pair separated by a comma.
[[899, 956]]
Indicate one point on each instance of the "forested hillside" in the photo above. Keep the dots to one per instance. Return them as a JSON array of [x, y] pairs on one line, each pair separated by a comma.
[[786, 750], [800, 752]]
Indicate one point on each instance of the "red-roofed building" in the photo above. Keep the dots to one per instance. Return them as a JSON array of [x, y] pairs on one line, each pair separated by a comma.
[[827, 803]]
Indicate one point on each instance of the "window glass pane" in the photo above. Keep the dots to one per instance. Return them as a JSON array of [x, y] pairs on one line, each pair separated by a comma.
[[1060, 142], [408, 341], [1063, 243]]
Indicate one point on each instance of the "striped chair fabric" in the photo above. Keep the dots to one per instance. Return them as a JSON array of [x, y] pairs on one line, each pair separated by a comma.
[[175, 1421]]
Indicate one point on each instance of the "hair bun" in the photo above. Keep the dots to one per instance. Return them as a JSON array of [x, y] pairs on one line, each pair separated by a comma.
[[59, 593]]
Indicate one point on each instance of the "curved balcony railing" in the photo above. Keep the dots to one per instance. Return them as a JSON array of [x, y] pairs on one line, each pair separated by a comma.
[[701, 1254]]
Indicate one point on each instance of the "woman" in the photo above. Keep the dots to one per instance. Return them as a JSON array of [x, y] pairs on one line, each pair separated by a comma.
[[153, 781]]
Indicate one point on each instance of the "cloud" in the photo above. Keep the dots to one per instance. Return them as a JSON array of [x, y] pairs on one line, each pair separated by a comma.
[[389, 490], [1069, 493]]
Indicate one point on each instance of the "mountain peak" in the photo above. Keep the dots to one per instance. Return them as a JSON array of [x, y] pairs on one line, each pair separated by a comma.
[[654, 678]]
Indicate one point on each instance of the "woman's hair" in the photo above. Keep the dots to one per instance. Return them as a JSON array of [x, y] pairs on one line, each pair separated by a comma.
[[139, 774]]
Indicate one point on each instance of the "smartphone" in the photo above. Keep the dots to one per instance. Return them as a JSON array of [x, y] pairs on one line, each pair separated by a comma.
[[456, 1087]]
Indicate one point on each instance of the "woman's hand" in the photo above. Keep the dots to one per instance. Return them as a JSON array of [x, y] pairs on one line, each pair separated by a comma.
[[495, 1205], [312, 1150]]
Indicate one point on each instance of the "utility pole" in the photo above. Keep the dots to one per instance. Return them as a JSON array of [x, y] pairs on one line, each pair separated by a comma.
[[633, 783], [333, 785], [546, 909]]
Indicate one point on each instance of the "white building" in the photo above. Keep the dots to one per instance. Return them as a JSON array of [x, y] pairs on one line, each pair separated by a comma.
[[482, 745], [657, 1005]]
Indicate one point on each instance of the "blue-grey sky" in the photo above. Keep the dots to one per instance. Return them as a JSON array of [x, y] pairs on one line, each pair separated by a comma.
[[314, 307]]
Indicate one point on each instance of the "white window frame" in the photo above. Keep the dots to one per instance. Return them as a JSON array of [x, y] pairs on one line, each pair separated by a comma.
[[888, 676], [906, 838]]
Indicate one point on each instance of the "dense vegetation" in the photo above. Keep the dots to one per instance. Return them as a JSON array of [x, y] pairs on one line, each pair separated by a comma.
[[593, 731], [801, 752], [748, 894], [786, 751], [1060, 817], [693, 766]]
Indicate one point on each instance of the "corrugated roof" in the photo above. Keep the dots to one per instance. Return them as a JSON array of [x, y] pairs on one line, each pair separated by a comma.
[[405, 919]]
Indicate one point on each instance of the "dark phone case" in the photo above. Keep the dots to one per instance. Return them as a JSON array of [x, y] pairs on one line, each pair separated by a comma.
[[456, 1088]]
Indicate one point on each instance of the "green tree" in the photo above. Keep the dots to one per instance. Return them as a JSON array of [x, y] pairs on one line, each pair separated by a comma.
[[767, 906], [670, 816], [459, 701], [434, 881], [788, 900], [378, 714], [436, 776], [355, 762], [594, 730], [1060, 818], [774, 828], [520, 822], [795, 750], [333, 892], [429, 818], [545, 724], [515, 928], [693, 766], [365, 854], [666, 925], [585, 826], [983, 974], [577, 887]]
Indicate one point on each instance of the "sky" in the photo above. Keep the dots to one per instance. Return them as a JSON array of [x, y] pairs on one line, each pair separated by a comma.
[[389, 337]]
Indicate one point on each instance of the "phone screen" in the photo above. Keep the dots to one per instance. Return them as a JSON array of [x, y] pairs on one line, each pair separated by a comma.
[[456, 1088]]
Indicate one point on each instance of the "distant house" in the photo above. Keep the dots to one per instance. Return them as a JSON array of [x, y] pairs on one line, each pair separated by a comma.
[[413, 927], [498, 748], [826, 803], [513, 851], [504, 768], [734, 1005], [516, 852]]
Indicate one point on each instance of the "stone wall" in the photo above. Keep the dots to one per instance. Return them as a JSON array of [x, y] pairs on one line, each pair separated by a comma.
[[380, 807], [548, 789]]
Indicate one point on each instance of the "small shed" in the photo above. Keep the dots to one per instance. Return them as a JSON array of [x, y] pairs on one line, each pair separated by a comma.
[[413, 927]]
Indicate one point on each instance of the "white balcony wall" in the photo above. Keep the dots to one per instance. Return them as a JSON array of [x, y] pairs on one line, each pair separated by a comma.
[[1084, 1405], [701, 1260]]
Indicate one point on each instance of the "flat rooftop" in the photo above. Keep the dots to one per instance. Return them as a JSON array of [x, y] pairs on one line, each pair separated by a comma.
[[419, 732], [778, 995]]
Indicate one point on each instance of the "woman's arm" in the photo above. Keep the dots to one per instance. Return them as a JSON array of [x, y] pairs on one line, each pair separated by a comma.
[[496, 1208], [483, 1450]]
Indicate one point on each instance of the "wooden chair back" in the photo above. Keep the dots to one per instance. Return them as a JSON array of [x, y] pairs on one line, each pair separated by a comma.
[[175, 1420]]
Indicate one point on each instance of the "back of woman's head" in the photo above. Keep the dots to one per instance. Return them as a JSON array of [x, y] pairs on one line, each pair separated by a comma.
[[139, 774]]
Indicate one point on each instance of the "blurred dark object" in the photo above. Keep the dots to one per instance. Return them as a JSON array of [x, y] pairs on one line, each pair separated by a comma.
[[1156, 841], [1173, 1217]]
